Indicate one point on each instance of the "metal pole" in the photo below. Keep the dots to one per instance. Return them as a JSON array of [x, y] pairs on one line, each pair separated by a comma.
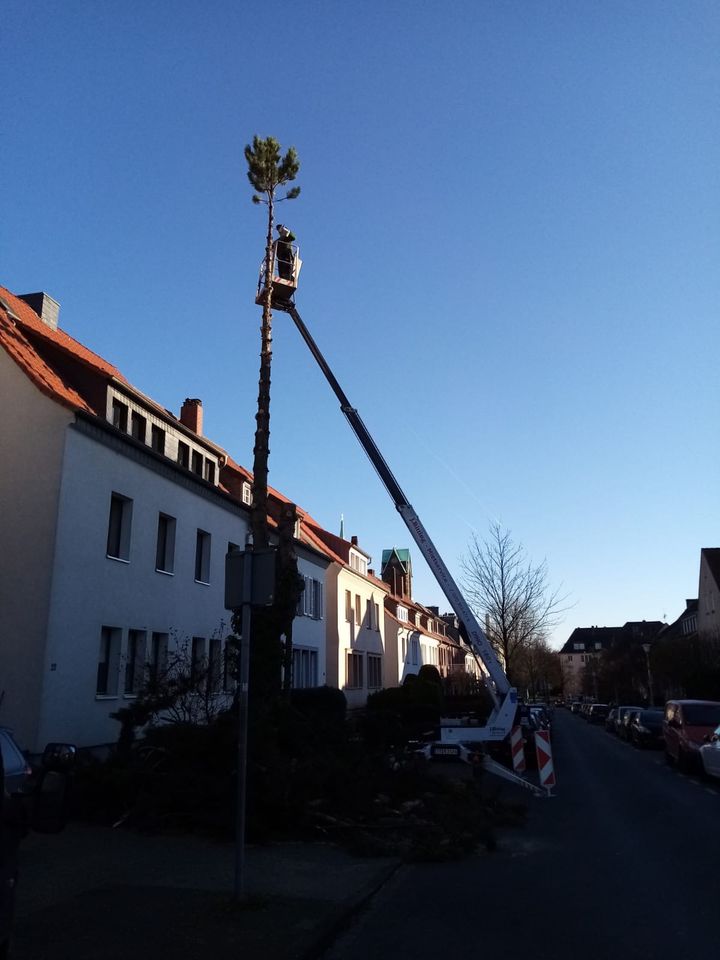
[[243, 684]]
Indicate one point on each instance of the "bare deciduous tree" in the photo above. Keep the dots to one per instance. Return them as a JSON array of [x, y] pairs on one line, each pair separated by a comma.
[[509, 594]]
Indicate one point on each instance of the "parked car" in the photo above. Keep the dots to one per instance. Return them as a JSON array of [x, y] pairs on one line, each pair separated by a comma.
[[628, 717], [622, 712], [685, 726], [17, 769], [710, 754], [610, 720], [597, 713], [575, 706], [27, 802], [646, 728]]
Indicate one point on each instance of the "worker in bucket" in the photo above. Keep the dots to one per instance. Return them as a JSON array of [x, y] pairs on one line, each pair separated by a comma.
[[284, 252]]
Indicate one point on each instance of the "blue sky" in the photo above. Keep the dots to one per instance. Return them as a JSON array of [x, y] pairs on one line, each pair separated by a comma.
[[509, 224]]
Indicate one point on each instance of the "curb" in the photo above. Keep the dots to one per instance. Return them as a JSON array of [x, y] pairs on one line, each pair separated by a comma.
[[347, 913]]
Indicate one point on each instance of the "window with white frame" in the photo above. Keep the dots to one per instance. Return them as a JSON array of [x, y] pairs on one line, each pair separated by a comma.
[[165, 550], [348, 606], [120, 415], [374, 671], [304, 667], [402, 613], [157, 661], [138, 426], [157, 439], [197, 657], [209, 471], [230, 665], [369, 614], [214, 665], [108, 668], [310, 601], [247, 494], [358, 563], [135, 656], [358, 609], [354, 670], [202, 557], [376, 615], [183, 454], [119, 523]]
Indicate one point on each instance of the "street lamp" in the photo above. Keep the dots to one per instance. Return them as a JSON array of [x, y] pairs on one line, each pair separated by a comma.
[[651, 698]]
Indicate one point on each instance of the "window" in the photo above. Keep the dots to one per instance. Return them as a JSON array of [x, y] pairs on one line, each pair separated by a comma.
[[355, 670], [108, 662], [183, 454], [135, 661], [305, 668], [158, 655], [138, 426], [118, 538], [358, 609], [197, 657], [310, 602], [202, 557], [230, 666], [348, 605], [120, 415], [232, 547], [247, 494], [197, 463], [374, 671], [414, 651], [210, 471], [157, 439], [214, 665], [165, 553], [358, 563], [402, 613]]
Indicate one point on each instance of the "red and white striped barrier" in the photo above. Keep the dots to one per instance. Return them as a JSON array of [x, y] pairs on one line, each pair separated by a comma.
[[543, 751], [517, 749]]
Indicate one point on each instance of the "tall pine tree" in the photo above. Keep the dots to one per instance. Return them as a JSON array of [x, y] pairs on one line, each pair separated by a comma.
[[268, 172]]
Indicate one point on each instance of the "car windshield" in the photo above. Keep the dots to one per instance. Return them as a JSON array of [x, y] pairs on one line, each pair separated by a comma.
[[651, 718], [702, 714]]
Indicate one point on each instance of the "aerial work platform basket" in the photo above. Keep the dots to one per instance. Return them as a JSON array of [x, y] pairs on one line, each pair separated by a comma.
[[284, 279]]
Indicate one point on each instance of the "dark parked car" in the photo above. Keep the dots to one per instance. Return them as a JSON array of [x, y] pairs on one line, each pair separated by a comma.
[[622, 712], [597, 713], [26, 803], [646, 728]]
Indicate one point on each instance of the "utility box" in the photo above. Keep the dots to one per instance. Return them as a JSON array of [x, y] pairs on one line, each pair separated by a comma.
[[250, 578]]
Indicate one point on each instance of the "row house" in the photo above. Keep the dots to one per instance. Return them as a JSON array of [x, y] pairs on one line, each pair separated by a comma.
[[116, 520], [117, 517], [415, 635]]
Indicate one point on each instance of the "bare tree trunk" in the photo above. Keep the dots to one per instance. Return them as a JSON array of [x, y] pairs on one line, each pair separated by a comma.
[[261, 450]]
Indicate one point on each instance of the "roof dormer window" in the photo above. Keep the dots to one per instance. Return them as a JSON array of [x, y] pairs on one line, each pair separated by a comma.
[[247, 494], [120, 415], [402, 613], [358, 563]]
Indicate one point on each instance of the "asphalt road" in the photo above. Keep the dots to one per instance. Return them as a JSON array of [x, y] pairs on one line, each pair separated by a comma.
[[623, 862]]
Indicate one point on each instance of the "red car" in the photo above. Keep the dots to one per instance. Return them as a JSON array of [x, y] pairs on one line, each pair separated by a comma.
[[685, 726]]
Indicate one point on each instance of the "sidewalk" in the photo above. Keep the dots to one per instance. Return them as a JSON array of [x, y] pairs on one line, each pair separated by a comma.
[[95, 892]]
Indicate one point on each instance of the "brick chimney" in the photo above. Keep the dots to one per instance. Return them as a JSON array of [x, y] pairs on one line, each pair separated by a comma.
[[353, 541], [191, 415], [44, 306]]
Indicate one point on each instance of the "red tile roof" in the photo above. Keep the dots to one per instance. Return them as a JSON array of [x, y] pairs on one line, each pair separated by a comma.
[[32, 322], [31, 363], [20, 325]]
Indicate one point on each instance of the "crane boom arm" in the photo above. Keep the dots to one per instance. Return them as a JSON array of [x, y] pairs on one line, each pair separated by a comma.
[[504, 695]]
